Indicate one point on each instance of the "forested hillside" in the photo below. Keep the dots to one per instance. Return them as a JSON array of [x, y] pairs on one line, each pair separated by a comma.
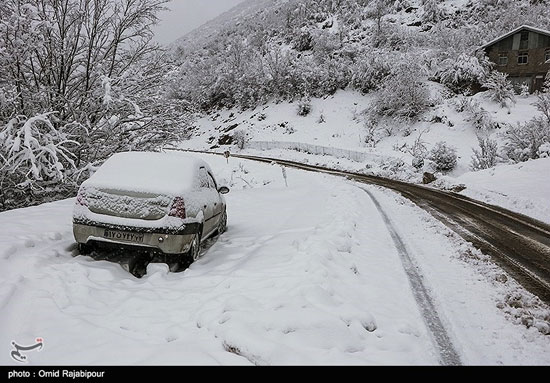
[[416, 62], [308, 48]]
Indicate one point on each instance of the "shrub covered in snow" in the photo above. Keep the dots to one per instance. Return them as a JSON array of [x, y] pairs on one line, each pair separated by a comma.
[[372, 133], [433, 12], [371, 71], [443, 156], [240, 138], [524, 141], [464, 72], [304, 107], [476, 114], [543, 99], [35, 150], [403, 95], [500, 89], [544, 150], [486, 156], [524, 90]]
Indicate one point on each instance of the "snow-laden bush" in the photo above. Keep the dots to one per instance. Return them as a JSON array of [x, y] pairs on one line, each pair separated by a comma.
[[486, 156], [523, 141], [370, 71], [418, 151], [543, 99], [34, 150], [37, 161], [443, 156], [240, 138], [500, 89], [403, 95], [479, 117], [433, 12], [544, 150], [464, 72], [523, 90], [372, 133], [304, 107], [476, 114]]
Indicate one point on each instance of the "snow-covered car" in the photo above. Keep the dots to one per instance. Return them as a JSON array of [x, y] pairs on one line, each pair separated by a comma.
[[163, 202]]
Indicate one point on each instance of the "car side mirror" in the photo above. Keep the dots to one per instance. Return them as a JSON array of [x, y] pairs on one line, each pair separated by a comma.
[[223, 190]]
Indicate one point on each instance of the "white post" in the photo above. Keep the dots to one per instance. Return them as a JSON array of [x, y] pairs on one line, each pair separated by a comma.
[[283, 169]]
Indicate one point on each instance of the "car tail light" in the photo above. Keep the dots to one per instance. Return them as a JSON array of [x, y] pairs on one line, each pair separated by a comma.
[[81, 198], [178, 208]]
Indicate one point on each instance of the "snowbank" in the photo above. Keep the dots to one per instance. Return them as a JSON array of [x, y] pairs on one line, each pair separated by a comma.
[[523, 187]]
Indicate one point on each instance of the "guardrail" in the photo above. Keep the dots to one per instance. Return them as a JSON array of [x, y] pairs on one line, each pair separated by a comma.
[[320, 150]]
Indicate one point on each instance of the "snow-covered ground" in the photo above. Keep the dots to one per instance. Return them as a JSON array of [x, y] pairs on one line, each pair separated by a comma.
[[306, 274], [523, 187]]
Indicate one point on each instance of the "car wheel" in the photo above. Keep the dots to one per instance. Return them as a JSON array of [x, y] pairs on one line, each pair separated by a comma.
[[194, 251], [186, 259], [222, 225]]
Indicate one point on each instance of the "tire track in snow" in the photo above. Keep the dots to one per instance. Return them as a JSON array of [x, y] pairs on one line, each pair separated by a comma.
[[447, 354]]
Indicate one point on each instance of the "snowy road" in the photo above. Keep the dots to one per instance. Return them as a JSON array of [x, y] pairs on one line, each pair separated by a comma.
[[306, 274], [518, 243]]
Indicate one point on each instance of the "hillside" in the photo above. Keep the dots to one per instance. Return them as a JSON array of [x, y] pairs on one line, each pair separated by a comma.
[[377, 85], [275, 49]]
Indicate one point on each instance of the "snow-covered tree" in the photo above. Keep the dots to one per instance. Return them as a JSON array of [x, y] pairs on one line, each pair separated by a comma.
[[500, 89], [433, 12], [370, 71], [80, 80], [543, 99], [35, 150], [443, 156], [403, 94], [464, 72], [486, 156], [523, 141]]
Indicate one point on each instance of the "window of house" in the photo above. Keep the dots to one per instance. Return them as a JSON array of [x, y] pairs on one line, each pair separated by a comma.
[[503, 59], [547, 56], [523, 58], [524, 40]]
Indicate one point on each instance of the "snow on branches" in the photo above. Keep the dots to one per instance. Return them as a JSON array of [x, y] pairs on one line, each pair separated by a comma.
[[34, 150]]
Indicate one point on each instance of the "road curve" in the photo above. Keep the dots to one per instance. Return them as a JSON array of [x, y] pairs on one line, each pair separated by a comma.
[[519, 244]]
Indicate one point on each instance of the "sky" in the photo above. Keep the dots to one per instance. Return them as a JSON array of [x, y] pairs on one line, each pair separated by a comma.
[[186, 15]]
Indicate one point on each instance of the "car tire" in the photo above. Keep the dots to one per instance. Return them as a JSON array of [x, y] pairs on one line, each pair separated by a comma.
[[85, 248], [194, 251], [186, 259], [222, 225]]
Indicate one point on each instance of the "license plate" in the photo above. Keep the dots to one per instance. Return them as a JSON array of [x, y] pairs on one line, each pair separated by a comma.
[[123, 236]]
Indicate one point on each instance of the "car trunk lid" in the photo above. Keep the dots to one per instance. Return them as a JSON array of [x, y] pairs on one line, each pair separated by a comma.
[[128, 204]]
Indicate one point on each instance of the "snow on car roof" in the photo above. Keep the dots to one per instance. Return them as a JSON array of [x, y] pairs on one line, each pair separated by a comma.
[[162, 173]]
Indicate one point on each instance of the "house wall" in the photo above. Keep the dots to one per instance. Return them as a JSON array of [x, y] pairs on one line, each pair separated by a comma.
[[536, 66]]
